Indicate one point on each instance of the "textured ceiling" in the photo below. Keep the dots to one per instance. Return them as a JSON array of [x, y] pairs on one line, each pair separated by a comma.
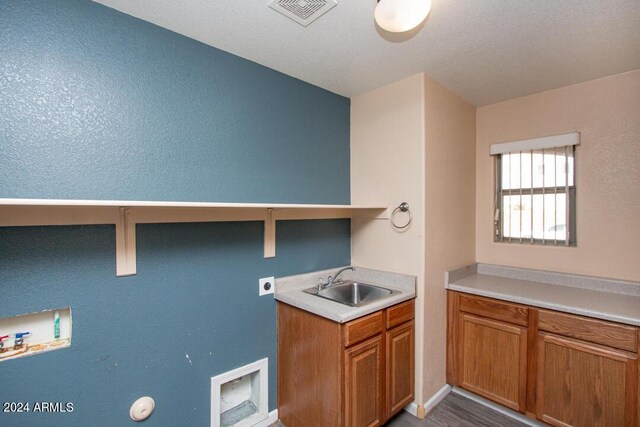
[[485, 50]]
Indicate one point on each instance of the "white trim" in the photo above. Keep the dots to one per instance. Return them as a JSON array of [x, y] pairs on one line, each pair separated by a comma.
[[553, 141], [436, 398], [416, 409], [273, 417], [412, 408], [498, 408], [262, 368], [165, 204]]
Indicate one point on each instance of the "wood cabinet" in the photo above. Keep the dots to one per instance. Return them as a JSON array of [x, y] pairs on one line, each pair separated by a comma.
[[587, 371], [581, 384], [563, 369], [356, 374], [493, 360], [490, 340], [400, 366], [363, 369]]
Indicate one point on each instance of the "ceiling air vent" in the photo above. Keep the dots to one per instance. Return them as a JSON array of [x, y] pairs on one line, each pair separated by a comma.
[[304, 12]]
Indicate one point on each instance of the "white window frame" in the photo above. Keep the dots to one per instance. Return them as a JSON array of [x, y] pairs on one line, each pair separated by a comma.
[[561, 146]]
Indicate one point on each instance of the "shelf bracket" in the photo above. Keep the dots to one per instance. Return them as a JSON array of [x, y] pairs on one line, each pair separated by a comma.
[[125, 243], [269, 235], [126, 214]]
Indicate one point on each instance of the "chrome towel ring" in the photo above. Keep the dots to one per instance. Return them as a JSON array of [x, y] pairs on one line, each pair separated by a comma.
[[402, 207]]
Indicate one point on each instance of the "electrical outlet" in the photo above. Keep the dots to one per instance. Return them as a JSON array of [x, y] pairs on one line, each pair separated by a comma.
[[267, 285]]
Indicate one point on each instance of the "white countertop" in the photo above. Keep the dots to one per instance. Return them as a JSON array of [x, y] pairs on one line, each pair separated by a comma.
[[290, 291], [607, 305]]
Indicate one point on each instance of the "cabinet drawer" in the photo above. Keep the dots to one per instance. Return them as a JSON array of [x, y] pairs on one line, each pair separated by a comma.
[[497, 310], [399, 314], [363, 328], [591, 330]]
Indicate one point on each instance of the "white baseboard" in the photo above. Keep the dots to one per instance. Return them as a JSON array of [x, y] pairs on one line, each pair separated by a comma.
[[498, 408], [273, 417], [436, 398], [412, 408], [417, 409]]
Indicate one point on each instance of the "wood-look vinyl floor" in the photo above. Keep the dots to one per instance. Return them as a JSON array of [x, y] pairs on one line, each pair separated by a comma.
[[456, 410], [453, 410]]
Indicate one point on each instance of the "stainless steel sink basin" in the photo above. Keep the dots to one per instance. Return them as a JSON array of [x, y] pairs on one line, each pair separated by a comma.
[[353, 294]]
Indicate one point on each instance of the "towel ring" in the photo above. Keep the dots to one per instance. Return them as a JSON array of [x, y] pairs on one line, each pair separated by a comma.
[[402, 207]]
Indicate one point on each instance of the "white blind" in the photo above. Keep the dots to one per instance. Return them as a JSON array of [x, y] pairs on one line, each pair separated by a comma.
[[554, 141]]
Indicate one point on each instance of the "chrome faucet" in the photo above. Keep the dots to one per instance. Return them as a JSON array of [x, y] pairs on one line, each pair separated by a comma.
[[332, 279]]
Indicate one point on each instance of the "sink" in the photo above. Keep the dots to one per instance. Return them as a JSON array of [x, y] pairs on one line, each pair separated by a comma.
[[353, 294]]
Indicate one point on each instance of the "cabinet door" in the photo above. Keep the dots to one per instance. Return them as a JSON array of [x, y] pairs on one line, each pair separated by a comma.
[[582, 384], [400, 367], [363, 384], [310, 357], [493, 360]]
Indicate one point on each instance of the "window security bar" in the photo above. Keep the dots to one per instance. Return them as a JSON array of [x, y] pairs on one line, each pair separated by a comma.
[[535, 196]]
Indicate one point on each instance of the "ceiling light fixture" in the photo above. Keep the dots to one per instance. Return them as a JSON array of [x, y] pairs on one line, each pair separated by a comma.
[[398, 16]]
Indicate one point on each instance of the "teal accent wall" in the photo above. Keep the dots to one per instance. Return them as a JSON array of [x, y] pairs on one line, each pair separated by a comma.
[[95, 104]]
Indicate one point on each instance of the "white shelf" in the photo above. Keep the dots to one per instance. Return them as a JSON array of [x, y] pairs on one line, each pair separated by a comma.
[[125, 214], [161, 204]]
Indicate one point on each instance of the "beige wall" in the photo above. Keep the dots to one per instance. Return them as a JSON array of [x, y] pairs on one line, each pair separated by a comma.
[[606, 112], [450, 139], [414, 141], [387, 134]]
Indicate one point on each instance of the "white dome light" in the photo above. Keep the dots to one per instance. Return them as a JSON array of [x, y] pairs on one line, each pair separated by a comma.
[[398, 16]]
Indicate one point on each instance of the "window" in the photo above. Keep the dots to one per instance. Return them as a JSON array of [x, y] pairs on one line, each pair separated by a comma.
[[535, 199]]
